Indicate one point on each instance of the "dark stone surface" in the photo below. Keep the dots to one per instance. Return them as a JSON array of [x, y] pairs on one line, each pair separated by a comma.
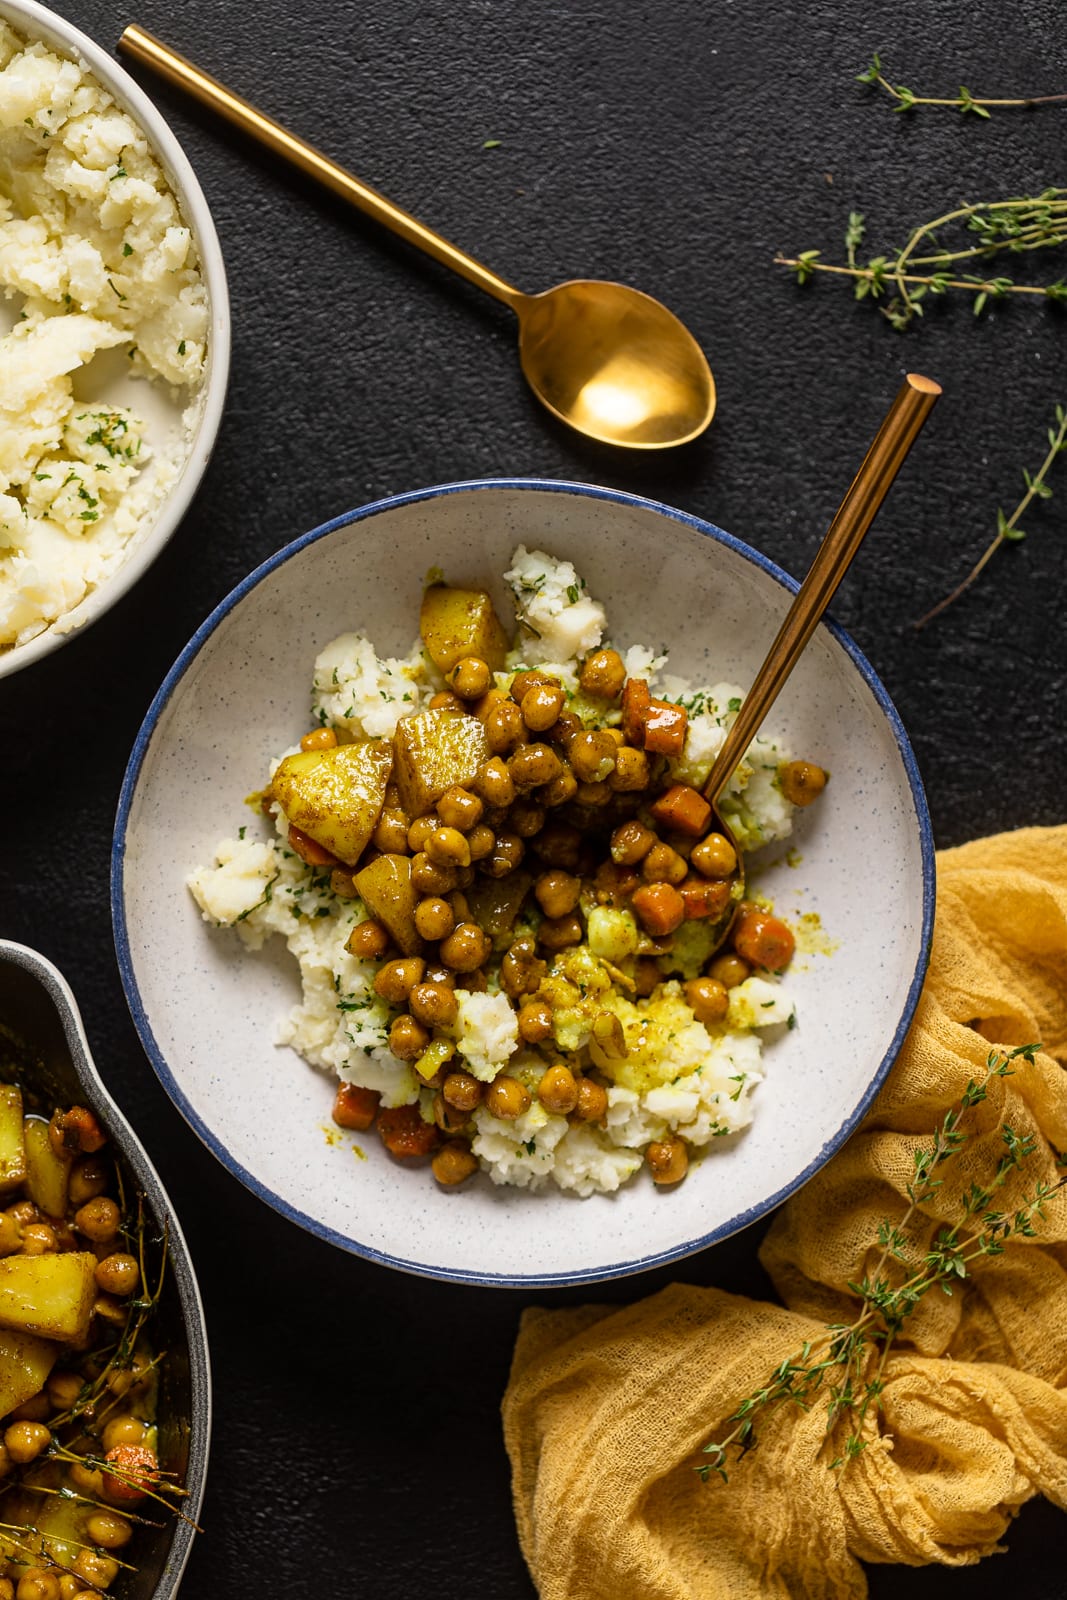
[[675, 145]]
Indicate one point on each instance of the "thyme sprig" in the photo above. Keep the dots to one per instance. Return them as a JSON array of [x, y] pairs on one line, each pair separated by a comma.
[[847, 1361], [1008, 529], [1011, 226], [965, 102]]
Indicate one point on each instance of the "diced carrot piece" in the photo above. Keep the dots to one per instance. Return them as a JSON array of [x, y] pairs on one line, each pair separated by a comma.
[[659, 908], [354, 1107], [704, 897], [636, 699], [764, 940], [665, 728], [404, 1133], [308, 850], [684, 809]]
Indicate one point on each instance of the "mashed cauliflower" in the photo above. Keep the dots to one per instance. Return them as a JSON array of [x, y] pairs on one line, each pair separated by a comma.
[[94, 257], [677, 1075]]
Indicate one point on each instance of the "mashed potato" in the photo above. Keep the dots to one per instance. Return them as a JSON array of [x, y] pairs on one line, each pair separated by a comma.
[[677, 1076], [94, 257]]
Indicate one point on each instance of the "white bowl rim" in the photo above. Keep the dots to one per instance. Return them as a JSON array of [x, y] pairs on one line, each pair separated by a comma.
[[194, 208], [313, 1225]]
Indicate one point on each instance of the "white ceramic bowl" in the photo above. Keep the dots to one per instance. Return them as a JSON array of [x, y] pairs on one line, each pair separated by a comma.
[[161, 413], [207, 1009]]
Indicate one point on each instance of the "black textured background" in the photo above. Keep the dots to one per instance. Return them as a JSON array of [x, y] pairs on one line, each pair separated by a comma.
[[676, 145]]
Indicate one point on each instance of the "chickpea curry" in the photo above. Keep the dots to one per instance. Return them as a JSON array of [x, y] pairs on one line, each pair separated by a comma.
[[78, 1380], [524, 896]]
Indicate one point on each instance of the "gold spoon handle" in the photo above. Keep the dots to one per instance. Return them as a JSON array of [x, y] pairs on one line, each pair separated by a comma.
[[913, 404], [176, 69]]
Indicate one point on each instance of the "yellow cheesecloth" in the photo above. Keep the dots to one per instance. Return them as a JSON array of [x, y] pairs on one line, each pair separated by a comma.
[[607, 1410]]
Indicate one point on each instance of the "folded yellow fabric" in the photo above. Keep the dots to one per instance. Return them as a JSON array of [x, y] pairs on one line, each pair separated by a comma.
[[607, 1410]]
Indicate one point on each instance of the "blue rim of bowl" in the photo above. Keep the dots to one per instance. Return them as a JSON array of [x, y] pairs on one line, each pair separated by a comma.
[[312, 1225]]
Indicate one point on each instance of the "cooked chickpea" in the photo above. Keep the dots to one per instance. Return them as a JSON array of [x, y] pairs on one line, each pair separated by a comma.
[[521, 970], [558, 1090], [631, 772], [445, 701], [88, 1178], [603, 674], [480, 841], [466, 947], [557, 892], [592, 1105], [447, 1116], [592, 756], [470, 678], [523, 682], [434, 918], [407, 1038], [454, 1162], [391, 834], [668, 1161], [494, 783], [567, 725], [508, 850], [106, 1529], [431, 877], [433, 1004], [801, 781], [396, 979], [592, 794], [506, 1098], [87, 1480], [474, 982], [659, 908], [504, 727], [663, 865], [446, 847], [458, 808], [343, 884], [122, 1430], [631, 843], [708, 999], [368, 941], [564, 787], [319, 739], [419, 831], [556, 933], [38, 1239], [533, 765], [118, 1274], [24, 1441], [38, 1583], [729, 970], [714, 856], [63, 1389], [541, 706], [526, 817], [70, 1588], [98, 1219], [7, 1590], [462, 1090], [535, 1021], [25, 1212], [96, 1570]]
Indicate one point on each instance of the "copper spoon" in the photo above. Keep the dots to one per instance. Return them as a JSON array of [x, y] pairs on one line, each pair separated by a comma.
[[604, 358], [914, 401]]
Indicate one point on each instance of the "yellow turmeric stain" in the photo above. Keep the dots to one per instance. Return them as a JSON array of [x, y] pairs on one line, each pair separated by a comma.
[[255, 799], [811, 937], [359, 1152], [333, 1135], [793, 858]]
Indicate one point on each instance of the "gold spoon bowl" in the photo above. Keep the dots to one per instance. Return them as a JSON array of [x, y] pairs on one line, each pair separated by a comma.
[[607, 360]]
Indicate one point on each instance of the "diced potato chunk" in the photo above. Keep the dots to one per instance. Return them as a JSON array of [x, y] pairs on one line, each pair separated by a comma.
[[335, 796], [496, 902], [433, 751], [461, 622], [25, 1362], [386, 890], [46, 1173], [12, 1147], [50, 1295]]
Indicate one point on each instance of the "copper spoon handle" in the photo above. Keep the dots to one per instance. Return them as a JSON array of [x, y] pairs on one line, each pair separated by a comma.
[[146, 48], [913, 404]]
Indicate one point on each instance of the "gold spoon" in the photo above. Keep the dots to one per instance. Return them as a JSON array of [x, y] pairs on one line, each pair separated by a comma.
[[914, 401], [606, 359]]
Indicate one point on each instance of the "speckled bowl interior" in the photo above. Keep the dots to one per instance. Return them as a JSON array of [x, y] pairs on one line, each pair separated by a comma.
[[207, 1009]]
